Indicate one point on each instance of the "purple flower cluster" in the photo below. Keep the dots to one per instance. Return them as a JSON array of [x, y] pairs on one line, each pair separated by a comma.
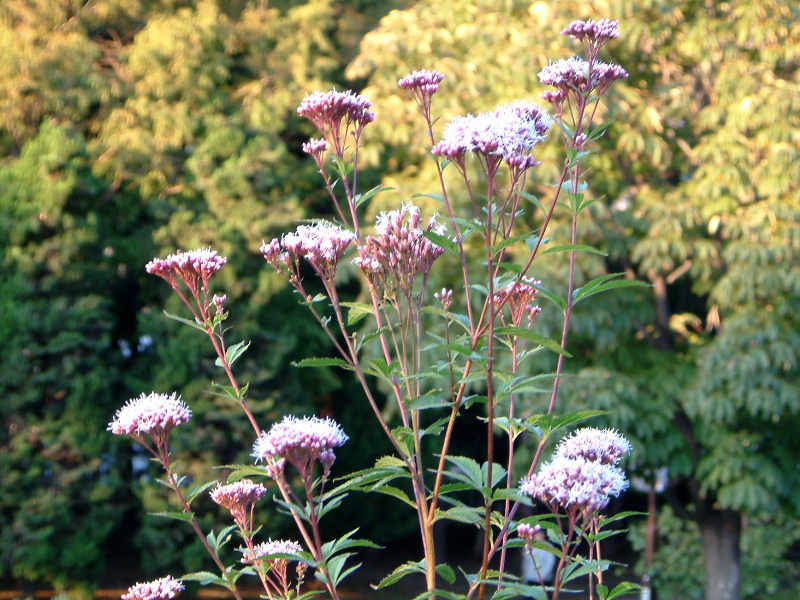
[[508, 133], [578, 74], [527, 532], [574, 480], [427, 82], [160, 589], [336, 114], [519, 297], [238, 497], [602, 29], [194, 268], [153, 414], [321, 244], [399, 252], [423, 85], [301, 442]]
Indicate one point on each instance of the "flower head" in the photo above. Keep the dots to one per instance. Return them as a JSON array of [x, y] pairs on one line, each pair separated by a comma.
[[321, 244], [238, 497], [509, 132], [271, 547], [153, 414], [399, 252], [527, 531], [194, 268], [336, 114], [593, 31], [577, 484], [301, 442], [581, 75], [423, 85], [160, 589], [603, 445]]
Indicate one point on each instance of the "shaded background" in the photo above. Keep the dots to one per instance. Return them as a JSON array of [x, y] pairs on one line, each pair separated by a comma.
[[132, 128]]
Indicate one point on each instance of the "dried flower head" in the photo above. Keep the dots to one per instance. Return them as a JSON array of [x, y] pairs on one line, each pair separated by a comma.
[[238, 497], [577, 484], [399, 252], [301, 442], [160, 589], [603, 445], [153, 414], [194, 268], [336, 115], [519, 296]]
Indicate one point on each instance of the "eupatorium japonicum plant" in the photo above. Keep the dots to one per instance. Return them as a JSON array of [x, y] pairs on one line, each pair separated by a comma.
[[435, 353]]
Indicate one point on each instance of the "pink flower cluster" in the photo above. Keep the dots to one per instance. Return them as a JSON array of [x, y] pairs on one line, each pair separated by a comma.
[[425, 81], [152, 414], [602, 29], [321, 244], [423, 85], [510, 133], [160, 589], [602, 445], [336, 114], [238, 497], [272, 547], [301, 442], [519, 297], [399, 252], [578, 74], [194, 268], [527, 531], [577, 478]]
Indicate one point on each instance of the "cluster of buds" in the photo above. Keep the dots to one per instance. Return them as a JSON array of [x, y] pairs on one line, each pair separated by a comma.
[[582, 475], [519, 296], [336, 115], [593, 34], [301, 442], [509, 133], [194, 268], [239, 498], [153, 415], [322, 244], [582, 77], [423, 85], [165, 588], [399, 252]]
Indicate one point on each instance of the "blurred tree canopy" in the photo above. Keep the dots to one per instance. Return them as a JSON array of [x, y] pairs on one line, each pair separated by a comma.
[[131, 128]]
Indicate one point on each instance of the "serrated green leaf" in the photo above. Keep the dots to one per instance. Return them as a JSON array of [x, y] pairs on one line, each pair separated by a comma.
[[179, 516], [199, 489], [323, 362], [205, 578], [446, 572], [191, 323], [233, 353], [574, 248], [527, 334], [443, 242]]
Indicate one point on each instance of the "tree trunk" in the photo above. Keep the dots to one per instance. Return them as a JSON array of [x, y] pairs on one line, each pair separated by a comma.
[[722, 531]]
